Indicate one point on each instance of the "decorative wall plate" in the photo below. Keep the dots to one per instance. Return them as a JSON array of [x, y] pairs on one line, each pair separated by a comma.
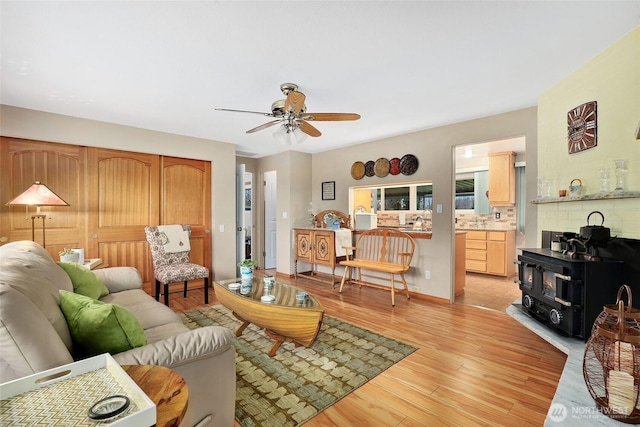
[[395, 166], [369, 168], [382, 167], [408, 164], [357, 170]]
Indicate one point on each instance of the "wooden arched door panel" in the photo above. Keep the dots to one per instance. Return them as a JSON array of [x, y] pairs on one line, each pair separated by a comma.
[[124, 197], [59, 167], [186, 199]]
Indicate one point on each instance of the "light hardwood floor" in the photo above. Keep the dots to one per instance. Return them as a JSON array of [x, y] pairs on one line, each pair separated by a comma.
[[473, 366], [484, 290]]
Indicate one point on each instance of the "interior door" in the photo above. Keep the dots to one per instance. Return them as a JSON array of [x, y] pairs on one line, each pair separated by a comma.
[[240, 225], [125, 197], [58, 166], [270, 220], [186, 199]]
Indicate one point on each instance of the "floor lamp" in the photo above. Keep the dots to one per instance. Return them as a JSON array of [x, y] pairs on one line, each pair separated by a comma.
[[37, 195]]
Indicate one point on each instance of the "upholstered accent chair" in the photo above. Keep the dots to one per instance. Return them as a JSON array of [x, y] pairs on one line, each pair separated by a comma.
[[173, 267]]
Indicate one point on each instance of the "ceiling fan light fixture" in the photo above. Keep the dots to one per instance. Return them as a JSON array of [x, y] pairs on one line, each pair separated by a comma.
[[291, 112], [282, 135], [299, 136]]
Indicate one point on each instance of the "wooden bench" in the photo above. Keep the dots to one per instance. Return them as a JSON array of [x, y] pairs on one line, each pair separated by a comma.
[[384, 250]]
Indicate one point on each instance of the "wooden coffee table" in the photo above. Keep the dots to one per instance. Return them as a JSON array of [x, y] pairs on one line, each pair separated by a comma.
[[284, 319]]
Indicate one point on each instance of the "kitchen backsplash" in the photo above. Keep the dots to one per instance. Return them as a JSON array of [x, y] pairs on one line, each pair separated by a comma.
[[507, 219]]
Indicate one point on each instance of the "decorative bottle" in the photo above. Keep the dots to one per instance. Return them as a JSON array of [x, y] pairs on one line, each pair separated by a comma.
[[604, 180], [621, 172]]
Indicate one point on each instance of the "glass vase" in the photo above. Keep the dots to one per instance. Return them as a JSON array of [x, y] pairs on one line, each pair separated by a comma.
[[604, 180], [621, 173], [540, 192]]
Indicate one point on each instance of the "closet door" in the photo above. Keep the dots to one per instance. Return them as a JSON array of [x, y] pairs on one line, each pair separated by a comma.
[[58, 166], [186, 199], [123, 197]]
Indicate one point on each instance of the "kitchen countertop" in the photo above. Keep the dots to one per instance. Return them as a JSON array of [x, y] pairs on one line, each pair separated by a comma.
[[418, 234], [485, 229]]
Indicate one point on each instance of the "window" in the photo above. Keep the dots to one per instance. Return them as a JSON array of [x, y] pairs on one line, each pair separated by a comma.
[[424, 197], [464, 194], [395, 198], [418, 196]]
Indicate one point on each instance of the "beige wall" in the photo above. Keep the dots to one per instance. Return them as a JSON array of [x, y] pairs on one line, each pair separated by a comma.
[[435, 151], [613, 80], [294, 195], [38, 125]]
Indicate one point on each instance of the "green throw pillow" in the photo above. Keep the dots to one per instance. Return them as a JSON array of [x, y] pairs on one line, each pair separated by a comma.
[[97, 327], [85, 282]]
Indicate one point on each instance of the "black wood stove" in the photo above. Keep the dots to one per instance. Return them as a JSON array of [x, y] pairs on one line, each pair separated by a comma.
[[567, 290]]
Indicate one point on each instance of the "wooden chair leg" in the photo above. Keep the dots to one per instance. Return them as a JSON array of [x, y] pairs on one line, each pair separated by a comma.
[[344, 275], [406, 289], [206, 290], [157, 290], [185, 288], [166, 294], [393, 291]]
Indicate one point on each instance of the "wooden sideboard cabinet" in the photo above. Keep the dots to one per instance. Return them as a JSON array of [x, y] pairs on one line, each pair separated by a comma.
[[502, 179], [490, 252], [316, 246]]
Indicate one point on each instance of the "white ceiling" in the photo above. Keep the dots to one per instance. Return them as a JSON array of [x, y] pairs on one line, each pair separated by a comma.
[[404, 66]]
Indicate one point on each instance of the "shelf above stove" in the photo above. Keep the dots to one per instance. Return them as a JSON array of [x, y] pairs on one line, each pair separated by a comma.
[[587, 197]]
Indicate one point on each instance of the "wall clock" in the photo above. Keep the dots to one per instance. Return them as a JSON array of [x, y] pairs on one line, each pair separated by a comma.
[[582, 128]]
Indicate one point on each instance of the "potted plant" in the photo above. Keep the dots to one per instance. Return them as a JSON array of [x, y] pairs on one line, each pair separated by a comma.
[[68, 255], [332, 221], [246, 268]]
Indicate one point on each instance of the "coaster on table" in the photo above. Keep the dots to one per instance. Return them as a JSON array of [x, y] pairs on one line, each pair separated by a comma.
[[267, 298]]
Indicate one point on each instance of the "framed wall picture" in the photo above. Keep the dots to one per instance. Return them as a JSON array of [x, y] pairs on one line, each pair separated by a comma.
[[329, 190]]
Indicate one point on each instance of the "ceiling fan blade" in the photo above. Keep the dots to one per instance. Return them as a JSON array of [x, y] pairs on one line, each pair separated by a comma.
[[264, 126], [329, 117], [294, 102], [245, 111], [308, 129]]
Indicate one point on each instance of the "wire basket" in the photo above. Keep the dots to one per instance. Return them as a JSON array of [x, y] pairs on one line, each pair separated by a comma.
[[611, 365]]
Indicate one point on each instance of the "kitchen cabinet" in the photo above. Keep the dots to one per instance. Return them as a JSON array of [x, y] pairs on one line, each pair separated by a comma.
[[502, 179], [490, 252], [316, 246]]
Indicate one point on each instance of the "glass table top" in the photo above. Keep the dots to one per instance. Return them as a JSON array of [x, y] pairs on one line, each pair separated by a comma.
[[278, 293]]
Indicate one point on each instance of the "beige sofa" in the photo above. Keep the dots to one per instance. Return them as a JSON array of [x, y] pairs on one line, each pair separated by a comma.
[[34, 335]]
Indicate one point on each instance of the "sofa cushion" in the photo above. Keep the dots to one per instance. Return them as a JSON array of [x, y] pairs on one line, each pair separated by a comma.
[[84, 281], [28, 342], [28, 268], [144, 307], [97, 327]]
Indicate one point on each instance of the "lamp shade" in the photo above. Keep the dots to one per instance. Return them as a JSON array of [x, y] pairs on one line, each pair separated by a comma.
[[282, 135], [37, 194], [299, 135]]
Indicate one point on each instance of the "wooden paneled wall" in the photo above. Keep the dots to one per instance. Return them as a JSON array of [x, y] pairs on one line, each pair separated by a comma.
[[112, 195]]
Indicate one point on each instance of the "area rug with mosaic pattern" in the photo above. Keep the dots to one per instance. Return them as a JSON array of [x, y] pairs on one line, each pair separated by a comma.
[[298, 382]]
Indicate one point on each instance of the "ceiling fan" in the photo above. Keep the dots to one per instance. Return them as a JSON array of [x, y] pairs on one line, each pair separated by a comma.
[[291, 113]]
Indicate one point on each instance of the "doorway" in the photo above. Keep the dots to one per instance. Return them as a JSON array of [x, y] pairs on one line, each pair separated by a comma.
[[471, 164], [244, 213], [270, 220]]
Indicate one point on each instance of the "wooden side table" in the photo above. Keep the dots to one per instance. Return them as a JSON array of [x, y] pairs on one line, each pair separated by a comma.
[[166, 388]]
